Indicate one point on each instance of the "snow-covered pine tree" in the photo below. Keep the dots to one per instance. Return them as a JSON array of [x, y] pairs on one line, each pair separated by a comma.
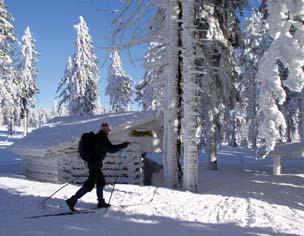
[[256, 41], [8, 76], [221, 52], [285, 19], [54, 109], [27, 74], [85, 73], [10, 100], [65, 89], [290, 109], [219, 35], [38, 117], [291, 113], [119, 84], [149, 91], [144, 92], [7, 40]]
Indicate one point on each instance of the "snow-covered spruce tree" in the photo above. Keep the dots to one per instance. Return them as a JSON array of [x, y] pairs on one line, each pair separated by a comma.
[[38, 117], [85, 73], [65, 89], [56, 111], [291, 113], [119, 84], [219, 53], [10, 100], [27, 75], [7, 40], [218, 36], [144, 92], [10, 87], [149, 91], [290, 109], [285, 19], [256, 41]]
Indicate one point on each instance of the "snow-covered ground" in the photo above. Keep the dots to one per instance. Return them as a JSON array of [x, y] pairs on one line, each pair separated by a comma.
[[242, 198]]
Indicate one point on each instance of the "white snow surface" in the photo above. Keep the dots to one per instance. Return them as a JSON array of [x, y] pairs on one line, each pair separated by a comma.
[[241, 198], [62, 131]]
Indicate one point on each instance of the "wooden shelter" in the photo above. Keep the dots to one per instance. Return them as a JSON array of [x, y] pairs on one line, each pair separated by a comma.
[[50, 152]]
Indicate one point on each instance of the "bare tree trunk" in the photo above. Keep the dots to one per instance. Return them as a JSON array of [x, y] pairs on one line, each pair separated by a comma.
[[302, 116], [253, 125], [172, 101], [11, 124], [288, 130], [211, 136], [191, 114], [25, 125], [232, 138]]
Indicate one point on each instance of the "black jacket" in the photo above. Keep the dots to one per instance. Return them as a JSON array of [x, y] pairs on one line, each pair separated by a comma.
[[102, 146]]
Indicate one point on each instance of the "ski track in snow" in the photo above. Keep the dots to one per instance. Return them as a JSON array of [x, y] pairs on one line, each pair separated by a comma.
[[242, 198]]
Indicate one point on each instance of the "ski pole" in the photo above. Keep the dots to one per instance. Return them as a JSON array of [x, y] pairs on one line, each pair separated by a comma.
[[47, 198], [116, 177]]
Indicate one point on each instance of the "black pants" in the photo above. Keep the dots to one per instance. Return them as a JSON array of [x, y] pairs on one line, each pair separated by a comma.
[[95, 177]]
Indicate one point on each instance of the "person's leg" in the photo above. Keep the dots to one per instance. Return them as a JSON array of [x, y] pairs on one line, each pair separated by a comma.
[[87, 187], [100, 183]]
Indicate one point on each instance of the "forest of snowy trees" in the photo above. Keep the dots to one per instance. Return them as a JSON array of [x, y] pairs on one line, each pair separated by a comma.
[[18, 77], [217, 71], [218, 78]]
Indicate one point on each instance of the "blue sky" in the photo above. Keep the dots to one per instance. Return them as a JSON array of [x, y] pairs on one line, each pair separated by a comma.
[[51, 23]]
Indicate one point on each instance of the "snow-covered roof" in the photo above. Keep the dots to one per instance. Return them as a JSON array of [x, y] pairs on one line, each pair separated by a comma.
[[62, 131]]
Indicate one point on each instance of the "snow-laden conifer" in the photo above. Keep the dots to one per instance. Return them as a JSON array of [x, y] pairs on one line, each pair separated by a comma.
[[85, 73], [119, 84], [27, 75], [256, 41], [285, 19], [217, 42], [218, 37], [10, 100], [65, 89], [10, 87], [149, 91], [7, 39]]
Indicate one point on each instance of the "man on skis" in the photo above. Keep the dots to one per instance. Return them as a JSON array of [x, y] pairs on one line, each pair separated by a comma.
[[95, 162]]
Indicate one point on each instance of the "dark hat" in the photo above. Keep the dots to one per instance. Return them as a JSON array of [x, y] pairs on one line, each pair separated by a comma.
[[105, 124]]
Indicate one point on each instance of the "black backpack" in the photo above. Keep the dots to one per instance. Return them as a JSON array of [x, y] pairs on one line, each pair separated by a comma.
[[86, 146]]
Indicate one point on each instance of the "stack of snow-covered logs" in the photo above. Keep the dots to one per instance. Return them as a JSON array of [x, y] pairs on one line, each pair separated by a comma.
[[64, 164]]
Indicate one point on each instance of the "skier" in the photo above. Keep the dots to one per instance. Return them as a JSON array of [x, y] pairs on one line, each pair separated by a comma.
[[102, 146]]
